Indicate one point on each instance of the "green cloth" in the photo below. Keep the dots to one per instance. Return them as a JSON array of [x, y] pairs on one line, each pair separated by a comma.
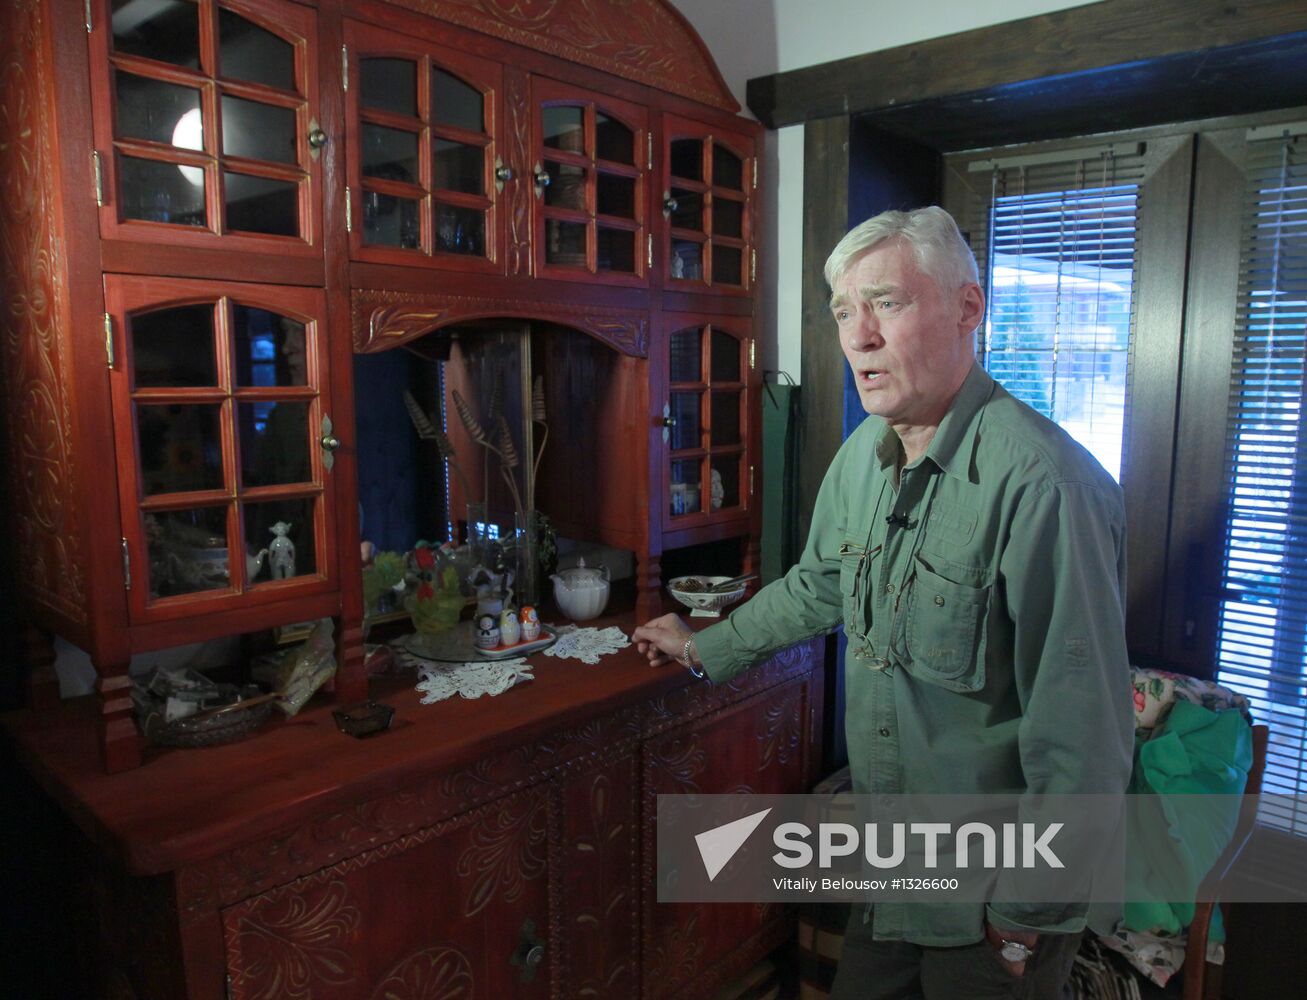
[[986, 641], [1193, 772]]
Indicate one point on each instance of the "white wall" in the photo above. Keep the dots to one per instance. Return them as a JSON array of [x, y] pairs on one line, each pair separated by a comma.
[[751, 38]]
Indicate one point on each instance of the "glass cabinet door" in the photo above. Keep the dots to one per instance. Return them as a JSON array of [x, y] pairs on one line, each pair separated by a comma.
[[709, 176], [706, 423], [590, 164], [222, 428], [424, 169], [205, 123]]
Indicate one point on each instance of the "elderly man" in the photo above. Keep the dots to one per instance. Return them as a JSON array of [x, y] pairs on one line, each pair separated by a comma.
[[975, 555]]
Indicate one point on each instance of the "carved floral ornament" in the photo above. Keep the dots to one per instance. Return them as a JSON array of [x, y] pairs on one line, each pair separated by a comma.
[[642, 40], [383, 319]]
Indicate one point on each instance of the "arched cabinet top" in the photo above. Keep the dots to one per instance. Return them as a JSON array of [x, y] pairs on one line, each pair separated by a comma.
[[647, 41]]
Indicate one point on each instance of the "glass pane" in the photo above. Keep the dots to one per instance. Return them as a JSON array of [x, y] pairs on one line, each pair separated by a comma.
[[161, 192], [249, 52], [685, 431], [688, 213], [455, 103], [613, 140], [179, 446], [187, 550], [566, 188], [280, 537], [157, 111], [725, 419], [727, 168], [724, 487], [726, 265], [687, 260], [686, 356], [687, 159], [565, 243], [725, 357], [168, 30], [727, 217], [615, 250], [173, 347], [391, 222], [262, 205], [460, 230], [564, 128], [684, 487], [459, 167], [615, 196], [258, 131], [390, 153], [270, 349], [389, 84], [274, 440]]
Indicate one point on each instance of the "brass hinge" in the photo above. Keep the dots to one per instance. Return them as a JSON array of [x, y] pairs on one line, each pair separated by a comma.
[[649, 158], [751, 480], [349, 214], [108, 338], [649, 252], [344, 68], [99, 178], [127, 566], [753, 354], [88, 16], [753, 266], [755, 173]]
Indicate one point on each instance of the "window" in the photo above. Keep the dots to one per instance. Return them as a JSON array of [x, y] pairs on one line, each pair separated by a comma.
[[1262, 646]]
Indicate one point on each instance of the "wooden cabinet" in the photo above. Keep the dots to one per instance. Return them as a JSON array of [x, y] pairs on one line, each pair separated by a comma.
[[206, 124], [213, 206], [709, 178], [425, 155], [503, 847]]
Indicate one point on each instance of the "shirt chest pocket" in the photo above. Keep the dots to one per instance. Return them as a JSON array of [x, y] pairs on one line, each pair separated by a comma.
[[946, 630], [853, 560]]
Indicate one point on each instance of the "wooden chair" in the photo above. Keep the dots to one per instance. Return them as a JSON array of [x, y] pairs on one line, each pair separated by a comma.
[[1201, 980]]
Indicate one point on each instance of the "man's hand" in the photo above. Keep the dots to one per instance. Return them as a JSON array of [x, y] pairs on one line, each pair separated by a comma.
[[662, 639], [996, 937]]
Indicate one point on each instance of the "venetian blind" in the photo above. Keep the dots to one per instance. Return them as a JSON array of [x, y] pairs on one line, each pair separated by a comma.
[[1262, 644], [1054, 235]]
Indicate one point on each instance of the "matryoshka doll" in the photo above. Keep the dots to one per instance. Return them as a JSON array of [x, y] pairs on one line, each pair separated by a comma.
[[530, 624], [509, 630], [487, 636]]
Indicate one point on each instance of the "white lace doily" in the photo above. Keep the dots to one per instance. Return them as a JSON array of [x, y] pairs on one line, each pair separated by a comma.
[[588, 644], [438, 681]]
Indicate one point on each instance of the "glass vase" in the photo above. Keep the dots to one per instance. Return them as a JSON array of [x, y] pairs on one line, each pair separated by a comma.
[[527, 583]]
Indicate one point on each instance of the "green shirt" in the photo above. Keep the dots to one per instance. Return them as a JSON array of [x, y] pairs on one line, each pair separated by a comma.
[[985, 624]]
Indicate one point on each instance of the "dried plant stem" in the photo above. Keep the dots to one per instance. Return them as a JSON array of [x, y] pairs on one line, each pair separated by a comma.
[[428, 430]]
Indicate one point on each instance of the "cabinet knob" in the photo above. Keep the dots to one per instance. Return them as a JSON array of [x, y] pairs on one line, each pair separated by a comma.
[[542, 179], [670, 205], [503, 173], [330, 442], [317, 138], [530, 952]]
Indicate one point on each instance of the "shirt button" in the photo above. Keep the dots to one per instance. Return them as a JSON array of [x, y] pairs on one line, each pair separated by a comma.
[[884, 730], [939, 601], [889, 588]]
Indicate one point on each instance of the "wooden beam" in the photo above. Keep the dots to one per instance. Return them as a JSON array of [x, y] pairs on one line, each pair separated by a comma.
[[1110, 33], [821, 370]]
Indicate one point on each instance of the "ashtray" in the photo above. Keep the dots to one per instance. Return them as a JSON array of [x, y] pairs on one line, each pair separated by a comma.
[[207, 729], [364, 719]]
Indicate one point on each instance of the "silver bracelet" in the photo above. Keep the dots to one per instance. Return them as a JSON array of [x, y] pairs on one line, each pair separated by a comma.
[[687, 657]]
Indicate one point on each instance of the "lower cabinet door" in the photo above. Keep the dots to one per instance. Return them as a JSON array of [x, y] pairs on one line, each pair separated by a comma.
[[756, 746], [459, 909]]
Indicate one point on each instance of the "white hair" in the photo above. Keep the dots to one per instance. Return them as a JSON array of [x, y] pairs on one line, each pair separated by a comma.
[[936, 243]]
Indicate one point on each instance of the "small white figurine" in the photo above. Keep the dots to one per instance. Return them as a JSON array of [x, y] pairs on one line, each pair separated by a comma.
[[509, 629], [718, 490], [281, 553], [487, 636], [530, 624]]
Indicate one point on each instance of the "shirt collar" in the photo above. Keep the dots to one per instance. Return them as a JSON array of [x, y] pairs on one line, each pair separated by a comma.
[[954, 443]]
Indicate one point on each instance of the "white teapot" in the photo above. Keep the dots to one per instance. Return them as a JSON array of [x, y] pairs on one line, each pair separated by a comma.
[[581, 593]]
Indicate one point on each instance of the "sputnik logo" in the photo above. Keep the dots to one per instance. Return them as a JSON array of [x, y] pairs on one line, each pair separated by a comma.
[[718, 845]]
